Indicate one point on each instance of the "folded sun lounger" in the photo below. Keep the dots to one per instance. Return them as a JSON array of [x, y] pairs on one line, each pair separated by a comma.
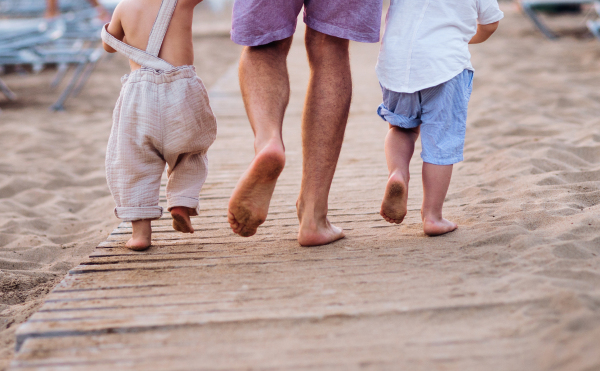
[[6, 91], [17, 37], [530, 8], [36, 8], [71, 40], [594, 26]]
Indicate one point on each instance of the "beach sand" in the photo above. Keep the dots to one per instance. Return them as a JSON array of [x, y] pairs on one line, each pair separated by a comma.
[[527, 197], [55, 206]]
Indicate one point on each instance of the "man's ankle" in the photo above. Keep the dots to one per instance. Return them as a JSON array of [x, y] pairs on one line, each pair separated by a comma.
[[307, 212], [273, 141]]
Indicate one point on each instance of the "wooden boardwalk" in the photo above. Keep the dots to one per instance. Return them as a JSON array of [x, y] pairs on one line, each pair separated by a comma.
[[383, 298]]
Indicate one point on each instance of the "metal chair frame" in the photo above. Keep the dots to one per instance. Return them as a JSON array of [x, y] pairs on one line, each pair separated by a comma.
[[594, 26], [528, 7], [70, 40]]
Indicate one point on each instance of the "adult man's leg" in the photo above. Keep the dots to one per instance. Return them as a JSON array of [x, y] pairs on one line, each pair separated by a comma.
[[323, 126], [265, 86]]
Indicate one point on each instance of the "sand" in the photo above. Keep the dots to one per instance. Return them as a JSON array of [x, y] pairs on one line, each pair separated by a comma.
[[526, 198], [55, 206]]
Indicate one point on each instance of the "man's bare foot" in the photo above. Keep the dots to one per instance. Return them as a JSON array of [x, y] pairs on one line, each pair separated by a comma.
[[317, 236], [394, 205], [141, 237], [313, 233], [433, 227], [249, 204], [181, 219]]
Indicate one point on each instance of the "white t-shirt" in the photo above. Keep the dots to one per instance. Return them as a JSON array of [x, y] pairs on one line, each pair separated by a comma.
[[426, 41]]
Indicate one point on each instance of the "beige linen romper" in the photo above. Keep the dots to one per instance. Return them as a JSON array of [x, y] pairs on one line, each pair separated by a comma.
[[162, 117]]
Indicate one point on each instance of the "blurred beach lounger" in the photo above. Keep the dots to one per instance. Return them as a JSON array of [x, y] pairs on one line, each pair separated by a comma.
[[36, 8], [6, 91], [73, 39], [17, 37], [594, 26], [532, 7]]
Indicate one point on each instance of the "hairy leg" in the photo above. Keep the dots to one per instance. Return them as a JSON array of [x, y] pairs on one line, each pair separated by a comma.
[[436, 180], [181, 219], [399, 148], [141, 237], [323, 126], [51, 9], [265, 88]]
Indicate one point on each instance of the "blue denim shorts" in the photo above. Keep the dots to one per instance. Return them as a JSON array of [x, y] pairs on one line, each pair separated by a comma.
[[440, 111]]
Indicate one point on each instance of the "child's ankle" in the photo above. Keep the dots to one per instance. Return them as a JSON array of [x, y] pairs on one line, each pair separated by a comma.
[[435, 225], [399, 176], [143, 226], [141, 235], [431, 216], [181, 209]]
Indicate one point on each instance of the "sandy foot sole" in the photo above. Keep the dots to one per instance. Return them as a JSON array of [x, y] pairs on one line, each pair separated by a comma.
[[249, 204], [181, 220], [394, 205]]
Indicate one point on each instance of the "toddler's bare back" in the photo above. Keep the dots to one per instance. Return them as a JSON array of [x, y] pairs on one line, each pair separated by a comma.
[[132, 23]]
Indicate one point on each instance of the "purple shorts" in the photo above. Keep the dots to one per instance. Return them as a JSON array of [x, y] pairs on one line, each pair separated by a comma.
[[259, 22]]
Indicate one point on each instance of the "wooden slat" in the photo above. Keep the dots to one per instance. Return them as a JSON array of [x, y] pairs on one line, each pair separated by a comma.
[[340, 342]]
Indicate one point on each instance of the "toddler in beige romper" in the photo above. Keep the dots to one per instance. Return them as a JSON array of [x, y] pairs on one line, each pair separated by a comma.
[[162, 117]]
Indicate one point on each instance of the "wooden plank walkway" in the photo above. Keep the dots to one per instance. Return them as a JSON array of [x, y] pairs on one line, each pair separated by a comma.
[[383, 298]]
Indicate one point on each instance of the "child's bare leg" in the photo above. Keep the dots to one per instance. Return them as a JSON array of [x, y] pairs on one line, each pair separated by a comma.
[[181, 219], [399, 148], [436, 180], [141, 237]]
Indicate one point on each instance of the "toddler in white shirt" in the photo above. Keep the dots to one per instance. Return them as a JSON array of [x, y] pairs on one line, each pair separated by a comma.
[[426, 76]]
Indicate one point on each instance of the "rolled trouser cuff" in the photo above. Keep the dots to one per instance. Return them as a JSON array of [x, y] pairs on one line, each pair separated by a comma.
[[182, 201], [130, 214]]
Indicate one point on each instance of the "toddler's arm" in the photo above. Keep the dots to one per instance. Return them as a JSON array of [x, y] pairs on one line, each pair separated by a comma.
[[484, 31], [116, 29]]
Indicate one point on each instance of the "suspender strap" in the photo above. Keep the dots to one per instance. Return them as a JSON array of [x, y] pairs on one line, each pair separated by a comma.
[[138, 56], [148, 58], [161, 25]]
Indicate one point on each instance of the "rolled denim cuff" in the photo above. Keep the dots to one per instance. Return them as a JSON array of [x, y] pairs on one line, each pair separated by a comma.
[[442, 161], [397, 120], [130, 214]]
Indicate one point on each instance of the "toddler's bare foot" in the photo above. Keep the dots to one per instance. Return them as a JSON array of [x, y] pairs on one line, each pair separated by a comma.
[[249, 204], [141, 237], [181, 219], [433, 227], [394, 205]]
